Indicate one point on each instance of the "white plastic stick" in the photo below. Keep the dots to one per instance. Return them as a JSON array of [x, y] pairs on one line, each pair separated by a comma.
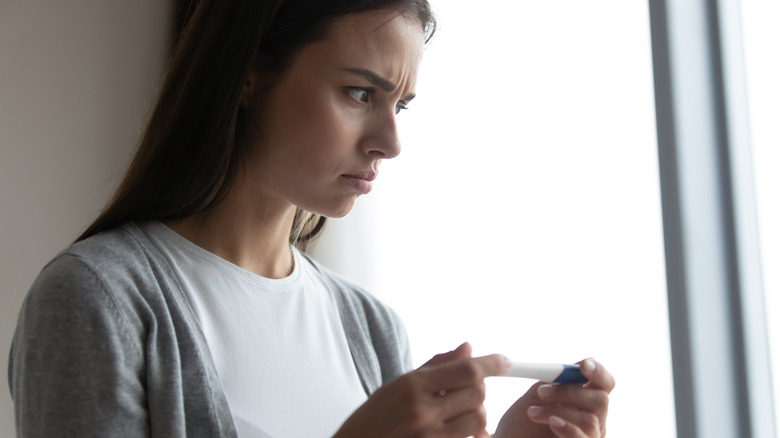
[[546, 372]]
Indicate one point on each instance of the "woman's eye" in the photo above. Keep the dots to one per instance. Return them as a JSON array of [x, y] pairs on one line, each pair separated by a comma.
[[359, 94], [400, 107]]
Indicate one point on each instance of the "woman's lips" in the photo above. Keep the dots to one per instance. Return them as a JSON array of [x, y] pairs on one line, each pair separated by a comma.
[[361, 183]]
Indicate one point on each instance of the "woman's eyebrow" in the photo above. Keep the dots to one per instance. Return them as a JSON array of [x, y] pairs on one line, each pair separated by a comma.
[[377, 80]]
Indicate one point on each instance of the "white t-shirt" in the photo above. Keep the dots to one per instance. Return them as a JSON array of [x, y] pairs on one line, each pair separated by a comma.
[[278, 344]]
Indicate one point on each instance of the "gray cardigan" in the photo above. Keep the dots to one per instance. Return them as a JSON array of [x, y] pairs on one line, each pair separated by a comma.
[[107, 345]]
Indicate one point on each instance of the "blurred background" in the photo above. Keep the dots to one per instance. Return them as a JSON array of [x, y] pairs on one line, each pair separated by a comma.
[[523, 215], [77, 79]]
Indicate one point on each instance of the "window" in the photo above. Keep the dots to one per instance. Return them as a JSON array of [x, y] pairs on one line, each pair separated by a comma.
[[762, 41], [524, 215]]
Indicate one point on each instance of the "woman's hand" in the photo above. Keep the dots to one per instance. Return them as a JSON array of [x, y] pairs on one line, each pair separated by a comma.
[[562, 410], [442, 398]]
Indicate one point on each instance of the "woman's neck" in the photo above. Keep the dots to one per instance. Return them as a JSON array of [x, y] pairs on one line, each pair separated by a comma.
[[246, 231]]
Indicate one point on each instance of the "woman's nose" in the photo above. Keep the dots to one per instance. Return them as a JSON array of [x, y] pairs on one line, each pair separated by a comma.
[[382, 140]]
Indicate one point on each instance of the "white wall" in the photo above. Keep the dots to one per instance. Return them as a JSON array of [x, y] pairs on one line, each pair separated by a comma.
[[76, 81]]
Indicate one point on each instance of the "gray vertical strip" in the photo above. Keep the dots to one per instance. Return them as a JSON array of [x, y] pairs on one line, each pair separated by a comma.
[[747, 253], [713, 275], [675, 274]]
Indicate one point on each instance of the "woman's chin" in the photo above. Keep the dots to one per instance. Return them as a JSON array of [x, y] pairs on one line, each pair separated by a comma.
[[335, 211], [338, 213]]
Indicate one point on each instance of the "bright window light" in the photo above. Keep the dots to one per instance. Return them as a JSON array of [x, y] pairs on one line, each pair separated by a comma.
[[762, 42], [524, 213]]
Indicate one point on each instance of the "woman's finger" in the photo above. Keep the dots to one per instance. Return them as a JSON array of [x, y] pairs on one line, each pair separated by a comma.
[[563, 429], [462, 352], [597, 375], [462, 401], [460, 374], [470, 424], [567, 422], [575, 396]]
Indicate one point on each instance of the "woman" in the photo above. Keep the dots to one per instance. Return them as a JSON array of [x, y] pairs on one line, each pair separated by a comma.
[[186, 308]]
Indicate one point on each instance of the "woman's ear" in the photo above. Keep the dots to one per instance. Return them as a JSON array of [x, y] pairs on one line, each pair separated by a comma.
[[256, 87], [249, 89]]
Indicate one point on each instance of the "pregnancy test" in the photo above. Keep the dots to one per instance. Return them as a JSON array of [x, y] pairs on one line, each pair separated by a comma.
[[547, 372]]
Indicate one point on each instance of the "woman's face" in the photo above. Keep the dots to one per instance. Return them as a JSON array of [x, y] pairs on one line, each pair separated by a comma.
[[330, 120]]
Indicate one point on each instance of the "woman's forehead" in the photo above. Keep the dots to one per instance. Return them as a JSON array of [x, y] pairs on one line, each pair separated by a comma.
[[388, 41]]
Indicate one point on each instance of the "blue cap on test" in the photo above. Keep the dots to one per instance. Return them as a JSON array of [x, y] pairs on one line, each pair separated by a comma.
[[571, 374]]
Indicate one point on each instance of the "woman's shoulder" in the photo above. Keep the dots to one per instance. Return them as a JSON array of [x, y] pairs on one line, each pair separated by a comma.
[[96, 282], [113, 260], [124, 242]]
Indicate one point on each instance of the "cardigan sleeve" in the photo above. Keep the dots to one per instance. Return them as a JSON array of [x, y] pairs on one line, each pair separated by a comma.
[[76, 362]]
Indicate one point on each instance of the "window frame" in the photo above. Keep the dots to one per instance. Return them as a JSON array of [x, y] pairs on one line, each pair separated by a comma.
[[719, 338]]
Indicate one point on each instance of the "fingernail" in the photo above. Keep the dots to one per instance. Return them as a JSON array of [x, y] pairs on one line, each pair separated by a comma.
[[557, 422], [534, 411], [506, 360], [588, 365], [545, 391]]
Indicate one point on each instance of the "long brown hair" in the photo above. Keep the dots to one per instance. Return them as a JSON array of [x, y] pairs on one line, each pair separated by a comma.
[[188, 156]]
